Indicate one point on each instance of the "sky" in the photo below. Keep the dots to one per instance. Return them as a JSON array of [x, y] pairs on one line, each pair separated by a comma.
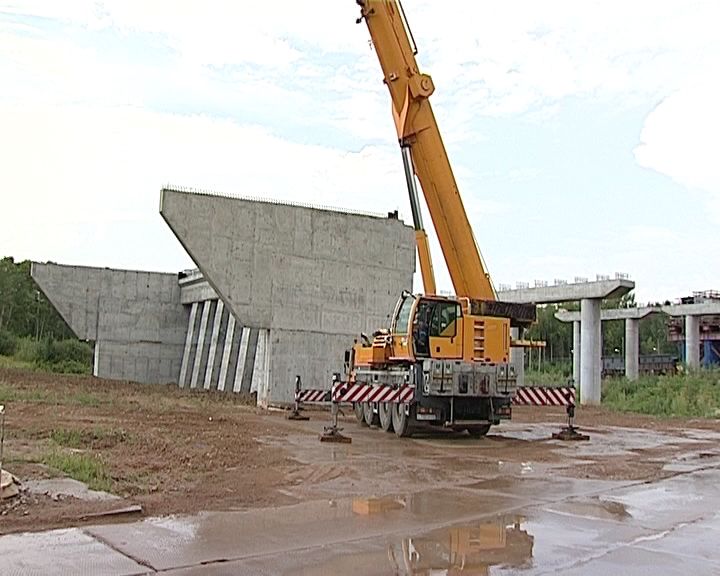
[[583, 135]]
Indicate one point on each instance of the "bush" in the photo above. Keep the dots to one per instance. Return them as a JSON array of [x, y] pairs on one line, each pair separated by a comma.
[[65, 356], [27, 350], [8, 343], [549, 375], [56, 352], [696, 394], [70, 367]]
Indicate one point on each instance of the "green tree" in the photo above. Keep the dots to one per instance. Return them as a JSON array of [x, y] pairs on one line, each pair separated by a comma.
[[558, 335], [24, 309]]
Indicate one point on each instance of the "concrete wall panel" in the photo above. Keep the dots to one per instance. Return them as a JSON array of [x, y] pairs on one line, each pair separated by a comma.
[[135, 318], [314, 278]]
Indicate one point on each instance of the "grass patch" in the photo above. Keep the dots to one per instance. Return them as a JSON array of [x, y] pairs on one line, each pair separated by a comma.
[[549, 375], [84, 399], [83, 467], [14, 362], [694, 395], [53, 356], [84, 438], [45, 396], [12, 394]]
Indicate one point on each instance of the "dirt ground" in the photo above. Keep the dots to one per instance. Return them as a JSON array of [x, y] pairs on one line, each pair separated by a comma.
[[177, 451]]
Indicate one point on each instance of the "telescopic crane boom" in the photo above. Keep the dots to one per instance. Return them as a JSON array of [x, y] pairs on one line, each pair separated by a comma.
[[423, 151], [442, 361]]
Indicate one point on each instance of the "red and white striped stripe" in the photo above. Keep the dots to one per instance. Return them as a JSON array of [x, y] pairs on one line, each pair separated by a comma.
[[311, 395], [369, 393], [544, 396]]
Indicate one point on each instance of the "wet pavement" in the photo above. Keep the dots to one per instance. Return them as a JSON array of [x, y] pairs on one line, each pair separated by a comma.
[[454, 510]]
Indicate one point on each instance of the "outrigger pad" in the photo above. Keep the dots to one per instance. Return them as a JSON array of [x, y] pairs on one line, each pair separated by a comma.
[[570, 434], [336, 437], [332, 434], [295, 415], [298, 417]]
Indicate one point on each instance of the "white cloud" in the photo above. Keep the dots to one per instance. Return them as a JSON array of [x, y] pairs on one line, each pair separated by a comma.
[[498, 59], [85, 164], [69, 171], [681, 136], [657, 236], [216, 32], [507, 57], [680, 139]]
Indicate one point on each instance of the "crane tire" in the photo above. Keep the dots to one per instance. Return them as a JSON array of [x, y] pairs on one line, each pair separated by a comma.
[[478, 431], [402, 423], [359, 413], [371, 419], [385, 413]]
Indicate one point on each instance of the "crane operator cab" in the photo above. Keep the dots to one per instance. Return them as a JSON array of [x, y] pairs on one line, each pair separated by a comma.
[[444, 328], [435, 328]]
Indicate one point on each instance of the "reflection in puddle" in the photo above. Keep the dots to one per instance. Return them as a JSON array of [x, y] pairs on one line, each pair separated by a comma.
[[370, 506], [593, 507], [467, 549]]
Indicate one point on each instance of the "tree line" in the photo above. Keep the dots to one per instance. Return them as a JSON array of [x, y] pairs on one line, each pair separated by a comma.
[[24, 309]]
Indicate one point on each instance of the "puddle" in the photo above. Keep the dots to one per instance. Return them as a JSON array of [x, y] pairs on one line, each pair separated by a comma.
[[691, 461], [372, 506], [616, 441], [492, 526], [468, 548], [594, 507]]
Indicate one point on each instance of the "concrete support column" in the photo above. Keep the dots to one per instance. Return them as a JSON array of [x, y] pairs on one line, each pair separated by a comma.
[[576, 352], [590, 345], [259, 375], [517, 357], [96, 359], [212, 353], [632, 345], [227, 349], [188, 345], [199, 358], [692, 341], [241, 361]]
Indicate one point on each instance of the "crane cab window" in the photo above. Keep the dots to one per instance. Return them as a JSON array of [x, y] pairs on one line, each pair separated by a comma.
[[444, 319], [421, 327], [402, 321], [433, 319]]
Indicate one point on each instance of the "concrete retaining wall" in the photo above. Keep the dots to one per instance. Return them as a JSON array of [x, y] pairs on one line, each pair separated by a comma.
[[135, 318], [314, 279], [296, 286]]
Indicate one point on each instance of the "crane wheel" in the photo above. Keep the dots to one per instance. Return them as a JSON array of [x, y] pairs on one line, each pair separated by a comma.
[[385, 413], [359, 413], [402, 423], [371, 419], [478, 431]]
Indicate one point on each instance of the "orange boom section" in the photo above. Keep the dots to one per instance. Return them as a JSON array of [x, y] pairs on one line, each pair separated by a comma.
[[418, 130]]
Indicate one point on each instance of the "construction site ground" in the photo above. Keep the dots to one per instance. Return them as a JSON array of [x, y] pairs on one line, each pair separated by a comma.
[[225, 487]]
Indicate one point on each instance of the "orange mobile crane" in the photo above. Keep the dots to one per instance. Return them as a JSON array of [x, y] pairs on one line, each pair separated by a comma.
[[444, 361]]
